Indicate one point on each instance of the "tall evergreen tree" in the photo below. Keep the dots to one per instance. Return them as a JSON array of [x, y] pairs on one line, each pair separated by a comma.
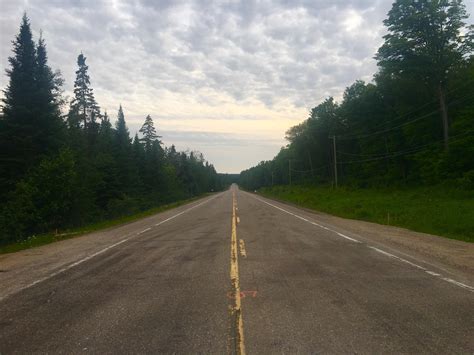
[[149, 133], [49, 183], [17, 127], [84, 109], [48, 101], [122, 133], [31, 125], [123, 152]]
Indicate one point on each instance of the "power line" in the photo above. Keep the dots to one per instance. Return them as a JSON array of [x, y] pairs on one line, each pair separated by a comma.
[[388, 129], [465, 84], [457, 101], [310, 170], [409, 151]]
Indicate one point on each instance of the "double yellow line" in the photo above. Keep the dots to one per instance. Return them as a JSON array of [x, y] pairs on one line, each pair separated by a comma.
[[236, 307]]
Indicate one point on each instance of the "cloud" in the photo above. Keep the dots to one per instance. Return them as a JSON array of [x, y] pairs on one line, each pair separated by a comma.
[[233, 67]]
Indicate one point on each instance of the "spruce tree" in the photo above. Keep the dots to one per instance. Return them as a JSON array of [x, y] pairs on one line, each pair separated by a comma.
[[84, 110], [31, 125], [123, 153], [122, 133], [149, 133], [17, 128], [137, 147], [48, 100], [106, 135]]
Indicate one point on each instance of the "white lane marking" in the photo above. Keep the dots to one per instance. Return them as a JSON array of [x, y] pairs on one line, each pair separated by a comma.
[[432, 273], [60, 271], [348, 238], [309, 221], [398, 258], [457, 283], [70, 266], [189, 209]]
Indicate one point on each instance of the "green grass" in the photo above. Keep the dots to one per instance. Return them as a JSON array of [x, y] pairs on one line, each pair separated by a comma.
[[36, 241], [435, 210]]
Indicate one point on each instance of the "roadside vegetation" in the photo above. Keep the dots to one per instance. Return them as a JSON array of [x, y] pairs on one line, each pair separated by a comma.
[[405, 140], [43, 239], [435, 210], [64, 165]]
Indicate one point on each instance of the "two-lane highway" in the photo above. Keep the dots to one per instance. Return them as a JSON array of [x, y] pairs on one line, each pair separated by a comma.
[[235, 273]]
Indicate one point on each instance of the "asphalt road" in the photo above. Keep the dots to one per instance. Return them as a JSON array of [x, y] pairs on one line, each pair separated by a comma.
[[233, 273]]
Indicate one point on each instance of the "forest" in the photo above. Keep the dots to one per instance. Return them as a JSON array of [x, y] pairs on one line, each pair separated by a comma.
[[413, 125], [64, 164]]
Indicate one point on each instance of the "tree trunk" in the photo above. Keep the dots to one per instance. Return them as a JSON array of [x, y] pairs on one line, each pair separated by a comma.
[[444, 115]]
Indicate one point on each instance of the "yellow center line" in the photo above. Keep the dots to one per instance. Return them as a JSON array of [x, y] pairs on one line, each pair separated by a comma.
[[236, 308]]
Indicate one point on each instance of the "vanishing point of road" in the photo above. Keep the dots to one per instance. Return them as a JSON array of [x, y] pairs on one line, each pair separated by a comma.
[[235, 273]]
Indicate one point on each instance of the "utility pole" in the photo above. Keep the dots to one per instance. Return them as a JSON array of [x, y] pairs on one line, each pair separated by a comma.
[[272, 178], [335, 158], [289, 169]]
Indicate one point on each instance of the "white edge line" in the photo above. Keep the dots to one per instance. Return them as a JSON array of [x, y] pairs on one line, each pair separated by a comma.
[[70, 266], [432, 273], [309, 221], [348, 238], [398, 258]]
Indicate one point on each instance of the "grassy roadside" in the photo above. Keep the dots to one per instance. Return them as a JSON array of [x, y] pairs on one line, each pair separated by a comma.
[[434, 210], [43, 239]]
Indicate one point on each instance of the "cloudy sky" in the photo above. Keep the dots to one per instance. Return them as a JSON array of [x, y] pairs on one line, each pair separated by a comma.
[[227, 78]]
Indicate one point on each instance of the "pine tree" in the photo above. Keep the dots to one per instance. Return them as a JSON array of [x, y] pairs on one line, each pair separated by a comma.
[[48, 101], [123, 153], [149, 133], [122, 133], [137, 147], [84, 110], [31, 125], [17, 128], [106, 134]]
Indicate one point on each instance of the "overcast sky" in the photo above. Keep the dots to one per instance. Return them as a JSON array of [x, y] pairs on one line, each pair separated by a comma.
[[227, 78]]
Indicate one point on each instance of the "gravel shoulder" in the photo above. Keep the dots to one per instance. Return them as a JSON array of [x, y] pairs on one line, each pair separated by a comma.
[[452, 256]]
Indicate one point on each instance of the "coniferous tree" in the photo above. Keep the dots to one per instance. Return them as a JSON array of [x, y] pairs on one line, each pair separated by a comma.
[[84, 109], [31, 127], [48, 101], [123, 153], [17, 126], [149, 133], [122, 133], [57, 183]]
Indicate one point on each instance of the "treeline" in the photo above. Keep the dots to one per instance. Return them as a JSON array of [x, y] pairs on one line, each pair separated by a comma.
[[413, 125], [61, 171]]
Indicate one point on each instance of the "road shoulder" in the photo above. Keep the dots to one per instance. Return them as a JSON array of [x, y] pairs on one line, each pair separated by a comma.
[[21, 269], [451, 256]]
